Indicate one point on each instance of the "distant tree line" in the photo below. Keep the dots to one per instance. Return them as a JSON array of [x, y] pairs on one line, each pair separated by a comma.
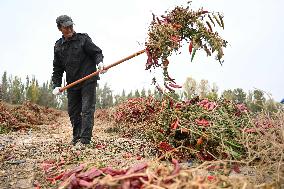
[[256, 100], [15, 91]]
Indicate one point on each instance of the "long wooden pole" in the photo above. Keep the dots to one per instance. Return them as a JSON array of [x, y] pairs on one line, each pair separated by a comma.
[[97, 72]]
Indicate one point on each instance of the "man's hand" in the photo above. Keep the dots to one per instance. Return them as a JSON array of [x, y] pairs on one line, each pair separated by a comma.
[[56, 91], [101, 67]]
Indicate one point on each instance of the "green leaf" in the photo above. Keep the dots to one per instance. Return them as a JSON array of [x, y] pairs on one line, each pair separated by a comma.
[[193, 54], [211, 20], [217, 20]]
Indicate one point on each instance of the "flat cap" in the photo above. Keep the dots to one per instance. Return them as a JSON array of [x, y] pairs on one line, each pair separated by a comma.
[[64, 20]]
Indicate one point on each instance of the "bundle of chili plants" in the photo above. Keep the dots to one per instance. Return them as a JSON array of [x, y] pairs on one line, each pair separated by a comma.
[[213, 128], [166, 34]]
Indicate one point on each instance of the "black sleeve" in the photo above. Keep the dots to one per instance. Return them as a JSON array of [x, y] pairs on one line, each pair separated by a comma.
[[92, 50], [58, 70]]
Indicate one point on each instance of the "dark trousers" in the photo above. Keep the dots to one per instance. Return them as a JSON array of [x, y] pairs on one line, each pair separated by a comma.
[[81, 108]]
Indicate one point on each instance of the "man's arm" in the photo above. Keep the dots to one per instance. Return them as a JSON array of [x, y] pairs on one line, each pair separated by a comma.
[[93, 51], [58, 70]]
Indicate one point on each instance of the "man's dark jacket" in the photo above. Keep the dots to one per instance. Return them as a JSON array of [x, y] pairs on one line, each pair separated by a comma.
[[78, 57]]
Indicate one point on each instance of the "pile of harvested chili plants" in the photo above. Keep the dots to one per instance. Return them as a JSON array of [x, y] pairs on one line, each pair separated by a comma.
[[25, 116], [209, 130]]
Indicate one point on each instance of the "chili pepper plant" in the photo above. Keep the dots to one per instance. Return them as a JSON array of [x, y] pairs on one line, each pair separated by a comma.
[[182, 24], [210, 129]]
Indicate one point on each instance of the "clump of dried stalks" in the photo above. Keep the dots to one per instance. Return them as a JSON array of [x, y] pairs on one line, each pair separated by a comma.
[[265, 147]]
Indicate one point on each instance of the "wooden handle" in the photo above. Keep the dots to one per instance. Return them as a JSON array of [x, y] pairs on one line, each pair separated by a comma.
[[97, 72]]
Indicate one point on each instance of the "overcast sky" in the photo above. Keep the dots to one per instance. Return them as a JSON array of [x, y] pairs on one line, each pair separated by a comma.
[[254, 30]]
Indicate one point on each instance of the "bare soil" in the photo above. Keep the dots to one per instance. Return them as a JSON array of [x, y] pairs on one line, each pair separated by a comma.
[[23, 153]]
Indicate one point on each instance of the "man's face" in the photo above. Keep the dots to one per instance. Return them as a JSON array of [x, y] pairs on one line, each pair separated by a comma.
[[67, 31]]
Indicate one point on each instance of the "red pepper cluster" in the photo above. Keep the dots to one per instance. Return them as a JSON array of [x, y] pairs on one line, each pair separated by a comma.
[[133, 177], [136, 110], [164, 146], [202, 122], [205, 103]]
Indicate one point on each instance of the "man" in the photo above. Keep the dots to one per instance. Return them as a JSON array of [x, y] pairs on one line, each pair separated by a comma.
[[78, 56]]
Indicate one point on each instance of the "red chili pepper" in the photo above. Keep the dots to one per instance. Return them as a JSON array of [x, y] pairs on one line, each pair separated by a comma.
[[137, 168], [175, 124], [236, 168], [204, 12], [178, 105], [75, 170], [165, 146], [202, 102], [84, 183], [177, 167], [90, 174], [73, 181], [202, 122], [190, 47], [176, 39], [199, 141], [100, 146], [174, 85], [161, 131], [210, 178], [112, 172], [58, 177], [210, 105], [62, 162], [250, 130], [46, 166]]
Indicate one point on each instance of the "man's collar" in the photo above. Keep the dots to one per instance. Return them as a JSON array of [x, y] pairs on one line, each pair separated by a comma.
[[74, 37]]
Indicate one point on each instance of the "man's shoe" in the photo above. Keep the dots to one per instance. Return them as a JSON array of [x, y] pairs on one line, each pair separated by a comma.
[[74, 142], [85, 141], [79, 146]]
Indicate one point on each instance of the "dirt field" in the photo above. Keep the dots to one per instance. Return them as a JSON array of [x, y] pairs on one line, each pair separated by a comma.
[[22, 153]]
